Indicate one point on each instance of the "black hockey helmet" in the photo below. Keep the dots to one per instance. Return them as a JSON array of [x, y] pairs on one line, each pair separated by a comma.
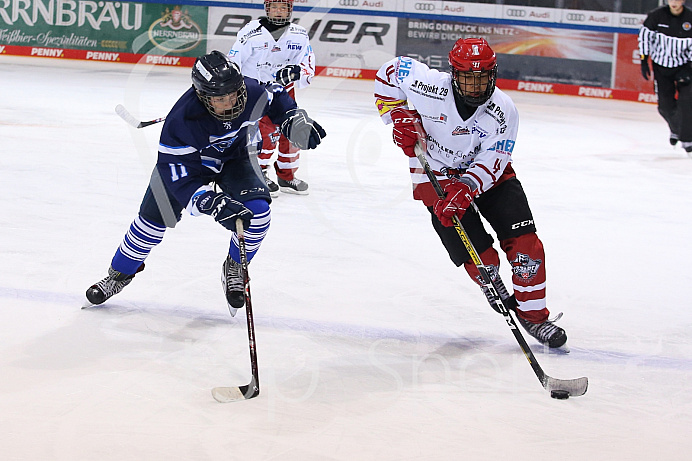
[[474, 67], [214, 77]]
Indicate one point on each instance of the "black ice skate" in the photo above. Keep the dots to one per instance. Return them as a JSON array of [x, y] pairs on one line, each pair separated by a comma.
[[271, 185], [294, 186], [673, 138], [546, 333], [233, 285], [101, 291]]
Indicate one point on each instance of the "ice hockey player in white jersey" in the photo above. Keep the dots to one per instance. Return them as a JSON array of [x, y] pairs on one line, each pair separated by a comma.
[[272, 49], [469, 128]]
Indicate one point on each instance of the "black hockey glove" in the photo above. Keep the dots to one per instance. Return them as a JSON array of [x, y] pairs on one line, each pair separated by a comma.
[[646, 72], [301, 130], [223, 209], [287, 75]]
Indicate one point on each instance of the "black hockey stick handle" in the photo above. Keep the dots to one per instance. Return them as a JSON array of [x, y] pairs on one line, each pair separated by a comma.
[[253, 388]]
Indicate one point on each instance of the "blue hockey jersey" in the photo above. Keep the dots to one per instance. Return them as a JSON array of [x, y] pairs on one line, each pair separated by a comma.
[[194, 145]]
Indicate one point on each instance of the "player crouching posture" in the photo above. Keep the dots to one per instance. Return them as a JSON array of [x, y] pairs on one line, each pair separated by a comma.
[[206, 141], [469, 128]]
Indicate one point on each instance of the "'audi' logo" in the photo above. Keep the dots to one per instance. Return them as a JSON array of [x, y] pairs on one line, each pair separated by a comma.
[[629, 21], [348, 2], [424, 7], [576, 17], [515, 13]]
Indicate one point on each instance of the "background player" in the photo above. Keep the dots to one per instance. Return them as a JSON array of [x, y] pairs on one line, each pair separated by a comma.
[[206, 141], [272, 49], [469, 128]]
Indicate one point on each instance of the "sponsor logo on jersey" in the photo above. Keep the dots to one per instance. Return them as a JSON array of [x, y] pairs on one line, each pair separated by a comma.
[[481, 132], [506, 146], [524, 267], [293, 46], [461, 130], [224, 144], [498, 114], [424, 87], [276, 49], [249, 35], [403, 68], [686, 25], [175, 31]]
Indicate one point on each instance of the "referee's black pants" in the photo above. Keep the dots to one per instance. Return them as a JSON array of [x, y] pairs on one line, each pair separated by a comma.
[[676, 111]]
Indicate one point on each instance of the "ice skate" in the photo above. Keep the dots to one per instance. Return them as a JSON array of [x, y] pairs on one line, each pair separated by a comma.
[[294, 186], [271, 185], [546, 333], [233, 285], [673, 138], [687, 146], [101, 291]]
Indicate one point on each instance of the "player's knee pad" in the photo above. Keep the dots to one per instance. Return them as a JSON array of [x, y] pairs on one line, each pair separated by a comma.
[[527, 258]]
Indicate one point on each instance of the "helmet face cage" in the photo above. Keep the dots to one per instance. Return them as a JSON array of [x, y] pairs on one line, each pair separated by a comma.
[[279, 21], [228, 114], [215, 75], [474, 70], [468, 85]]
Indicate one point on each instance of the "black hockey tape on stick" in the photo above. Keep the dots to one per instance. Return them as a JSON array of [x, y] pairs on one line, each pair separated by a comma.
[[130, 120]]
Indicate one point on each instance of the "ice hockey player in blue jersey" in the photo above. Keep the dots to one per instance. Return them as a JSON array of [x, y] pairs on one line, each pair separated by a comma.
[[205, 166]]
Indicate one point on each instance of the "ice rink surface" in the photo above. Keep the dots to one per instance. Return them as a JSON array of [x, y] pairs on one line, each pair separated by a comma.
[[371, 344]]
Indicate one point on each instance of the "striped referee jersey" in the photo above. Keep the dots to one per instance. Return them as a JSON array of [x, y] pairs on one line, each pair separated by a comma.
[[666, 38]]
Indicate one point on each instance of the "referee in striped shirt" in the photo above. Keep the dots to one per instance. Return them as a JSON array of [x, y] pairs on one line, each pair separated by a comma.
[[666, 37]]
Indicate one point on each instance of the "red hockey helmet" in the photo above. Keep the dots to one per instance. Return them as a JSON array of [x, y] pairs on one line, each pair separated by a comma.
[[281, 18], [474, 70]]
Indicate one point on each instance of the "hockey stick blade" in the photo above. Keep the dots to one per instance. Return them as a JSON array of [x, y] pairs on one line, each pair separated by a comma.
[[575, 387], [235, 394], [130, 120]]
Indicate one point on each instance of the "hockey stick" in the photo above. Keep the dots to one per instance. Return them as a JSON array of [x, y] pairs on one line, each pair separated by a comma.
[[574, 387], [233, 394], [130, 120]]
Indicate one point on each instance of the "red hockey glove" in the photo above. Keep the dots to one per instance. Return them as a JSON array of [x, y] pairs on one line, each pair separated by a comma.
[[408, 129], [459, 196]]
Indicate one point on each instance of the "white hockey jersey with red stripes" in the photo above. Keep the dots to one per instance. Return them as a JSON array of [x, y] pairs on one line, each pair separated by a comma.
[[481, 146], [260, 56]]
